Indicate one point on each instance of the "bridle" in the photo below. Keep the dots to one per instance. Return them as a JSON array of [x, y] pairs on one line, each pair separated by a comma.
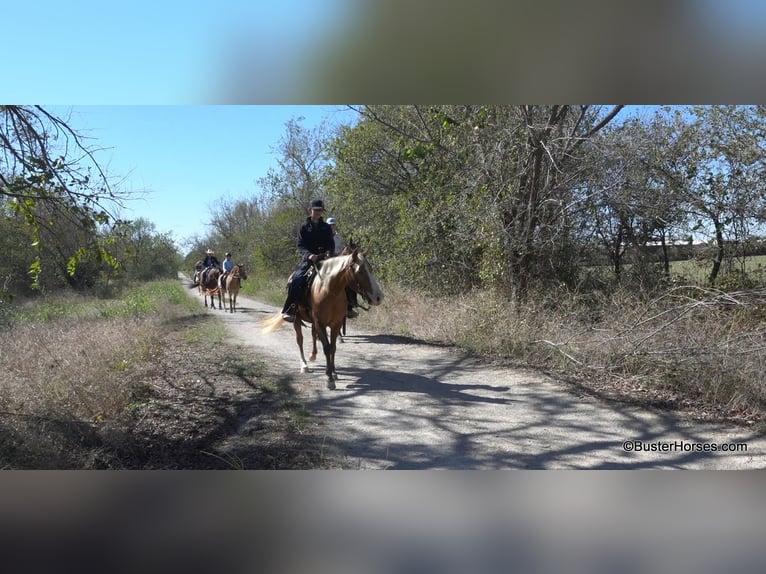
[[356, 285]]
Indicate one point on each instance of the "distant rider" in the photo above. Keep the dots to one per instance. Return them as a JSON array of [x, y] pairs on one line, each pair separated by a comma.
[[228, 265]]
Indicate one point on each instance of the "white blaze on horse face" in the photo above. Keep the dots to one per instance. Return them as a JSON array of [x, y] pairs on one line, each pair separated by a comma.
[[376, 293]]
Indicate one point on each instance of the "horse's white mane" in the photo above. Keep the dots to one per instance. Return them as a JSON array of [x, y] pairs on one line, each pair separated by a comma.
[[332, 266]]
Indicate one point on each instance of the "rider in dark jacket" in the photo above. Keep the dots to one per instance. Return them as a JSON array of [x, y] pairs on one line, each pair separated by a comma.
[[315, 242], [210, 261]]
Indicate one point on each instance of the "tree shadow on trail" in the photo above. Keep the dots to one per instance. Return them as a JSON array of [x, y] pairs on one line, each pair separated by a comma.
[[376, 380], [452, 422]]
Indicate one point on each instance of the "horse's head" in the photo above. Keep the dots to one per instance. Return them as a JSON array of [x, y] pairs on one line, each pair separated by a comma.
[[365, 283], [239, 269]]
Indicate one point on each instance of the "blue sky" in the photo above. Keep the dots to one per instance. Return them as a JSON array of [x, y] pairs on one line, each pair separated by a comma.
[[179, 160], [311, 51], [158, 52]]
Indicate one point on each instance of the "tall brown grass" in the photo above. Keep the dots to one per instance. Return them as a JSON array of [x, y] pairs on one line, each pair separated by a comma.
[[70, 363]]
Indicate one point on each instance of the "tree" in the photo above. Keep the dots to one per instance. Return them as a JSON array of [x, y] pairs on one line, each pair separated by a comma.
[[625, 205], [714, 162], [303, 165], [399, 187], [143, 253], [544, 167], [53, 184], [302, 162], [239, 225], [476, 194]]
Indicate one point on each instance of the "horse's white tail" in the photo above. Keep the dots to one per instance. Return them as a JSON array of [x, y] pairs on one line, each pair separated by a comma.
[[271, 325]]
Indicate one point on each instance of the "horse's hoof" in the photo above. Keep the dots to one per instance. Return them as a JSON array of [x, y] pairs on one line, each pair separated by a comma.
[[305, 369], [330, 384]]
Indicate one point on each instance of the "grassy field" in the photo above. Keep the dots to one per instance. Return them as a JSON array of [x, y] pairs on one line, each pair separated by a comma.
[[697, 272]]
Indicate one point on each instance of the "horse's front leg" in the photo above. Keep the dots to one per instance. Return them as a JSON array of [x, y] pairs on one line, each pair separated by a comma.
[[334, 334], [299, 339], [220, 300], [329, 353]]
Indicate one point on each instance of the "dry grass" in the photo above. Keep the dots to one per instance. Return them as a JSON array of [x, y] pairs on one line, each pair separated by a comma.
[[142, 381], [61, 369]]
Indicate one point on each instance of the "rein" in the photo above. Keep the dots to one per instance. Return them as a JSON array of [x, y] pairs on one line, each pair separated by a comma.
[[235, 273], [357, 286]]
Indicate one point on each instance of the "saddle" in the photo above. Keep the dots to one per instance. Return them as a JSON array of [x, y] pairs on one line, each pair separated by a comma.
[[302, 296]]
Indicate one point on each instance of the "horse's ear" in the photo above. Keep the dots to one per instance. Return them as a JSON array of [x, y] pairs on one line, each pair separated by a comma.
[[364, 253]]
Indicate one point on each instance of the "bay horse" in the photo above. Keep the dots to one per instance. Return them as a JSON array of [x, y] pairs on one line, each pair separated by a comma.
[[326, 305], [211, 286], [234, 283]]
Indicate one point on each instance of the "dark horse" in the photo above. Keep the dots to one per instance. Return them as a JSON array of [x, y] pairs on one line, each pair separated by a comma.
[[326, 304], [233, 283], [211, 286]]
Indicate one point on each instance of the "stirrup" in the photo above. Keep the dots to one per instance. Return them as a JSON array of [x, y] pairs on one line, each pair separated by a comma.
[[352, 314]]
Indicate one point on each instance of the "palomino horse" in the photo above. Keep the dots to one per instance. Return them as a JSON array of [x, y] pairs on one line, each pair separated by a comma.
[[211, 287], [233, 283], [326, 305]]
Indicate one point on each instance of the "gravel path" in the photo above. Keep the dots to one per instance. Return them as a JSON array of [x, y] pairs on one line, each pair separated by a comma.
[[405, 405]]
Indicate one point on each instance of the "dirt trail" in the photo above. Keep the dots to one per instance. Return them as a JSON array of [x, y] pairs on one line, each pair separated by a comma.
[[404, 405]]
